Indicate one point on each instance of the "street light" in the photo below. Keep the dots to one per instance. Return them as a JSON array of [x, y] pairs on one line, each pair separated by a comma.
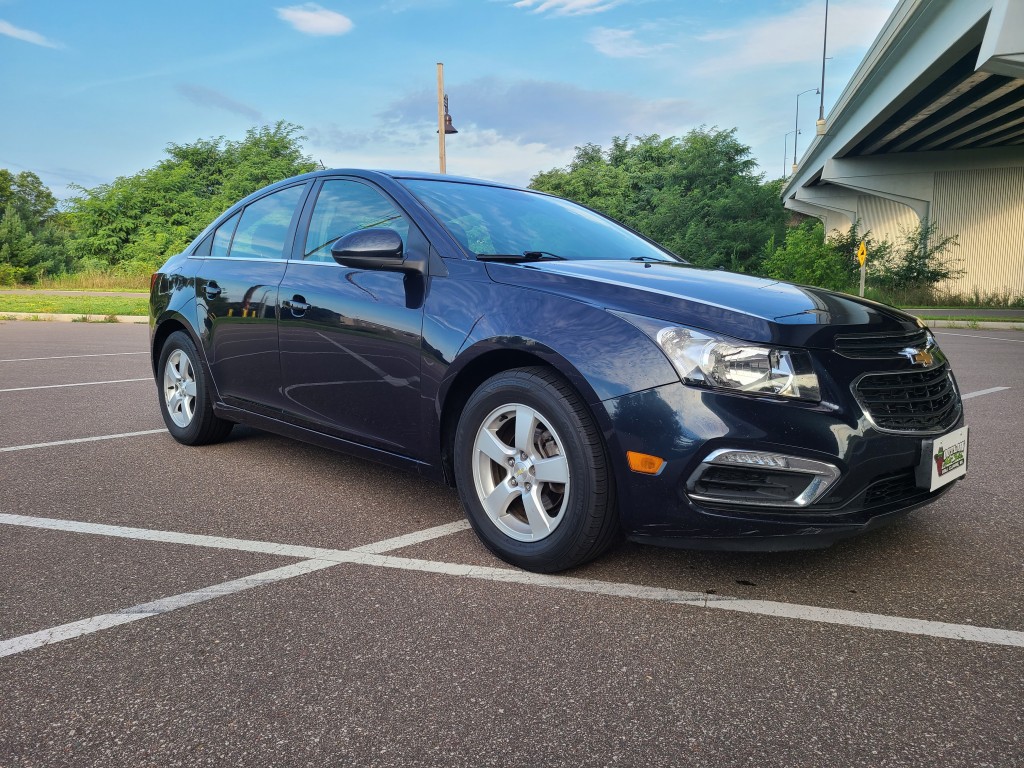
[[796, 126], [444, 120]]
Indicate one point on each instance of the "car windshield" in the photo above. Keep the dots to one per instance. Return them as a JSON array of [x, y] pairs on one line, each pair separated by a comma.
[[491, 221]]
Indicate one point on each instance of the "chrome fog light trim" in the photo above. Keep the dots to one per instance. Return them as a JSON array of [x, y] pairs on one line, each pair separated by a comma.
[[823, 475]]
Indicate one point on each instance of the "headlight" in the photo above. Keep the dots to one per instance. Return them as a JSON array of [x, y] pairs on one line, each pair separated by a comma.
[[724, 363]]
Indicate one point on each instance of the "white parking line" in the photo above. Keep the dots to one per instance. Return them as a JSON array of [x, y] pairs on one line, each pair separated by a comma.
[[80, 384], [972, 336], [871, 621], [981, 392], [68, 357], [81, 440], [413, 538], [155, 608]]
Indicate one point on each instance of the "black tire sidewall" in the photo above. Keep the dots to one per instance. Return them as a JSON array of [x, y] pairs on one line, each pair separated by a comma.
[[190, 435], [555, 551]]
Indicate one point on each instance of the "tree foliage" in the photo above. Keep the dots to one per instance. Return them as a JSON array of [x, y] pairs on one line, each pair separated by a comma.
[[697, 195], [136, 222], [32, 235]]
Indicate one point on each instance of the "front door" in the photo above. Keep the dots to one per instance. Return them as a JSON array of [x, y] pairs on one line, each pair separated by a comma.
[[350, 338]]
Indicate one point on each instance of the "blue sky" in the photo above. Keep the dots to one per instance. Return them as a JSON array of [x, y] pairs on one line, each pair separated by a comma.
[[92, 91]]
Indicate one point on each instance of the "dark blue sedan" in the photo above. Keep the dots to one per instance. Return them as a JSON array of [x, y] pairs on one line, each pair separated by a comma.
[[573, 379]]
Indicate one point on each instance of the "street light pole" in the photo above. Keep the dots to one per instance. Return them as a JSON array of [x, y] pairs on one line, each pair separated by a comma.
[[820, 125], [796, 124], [785, 151]]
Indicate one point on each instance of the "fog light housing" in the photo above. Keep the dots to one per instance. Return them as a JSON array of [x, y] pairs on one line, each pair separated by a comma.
[[735, 476]]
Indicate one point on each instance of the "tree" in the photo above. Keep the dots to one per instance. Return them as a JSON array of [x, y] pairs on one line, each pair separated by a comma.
[[918, 260], [807, 257], [698, 195], [136, 222], [32, 236]]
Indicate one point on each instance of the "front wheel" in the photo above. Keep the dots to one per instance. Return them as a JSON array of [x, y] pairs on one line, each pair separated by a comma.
[[185, 401], [532, 472]]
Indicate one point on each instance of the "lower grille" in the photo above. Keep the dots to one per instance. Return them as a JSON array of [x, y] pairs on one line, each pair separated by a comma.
[[892, 489], [914, 401]]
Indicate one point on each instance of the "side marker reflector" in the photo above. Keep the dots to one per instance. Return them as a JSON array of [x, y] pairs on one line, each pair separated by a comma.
[[644, 463]]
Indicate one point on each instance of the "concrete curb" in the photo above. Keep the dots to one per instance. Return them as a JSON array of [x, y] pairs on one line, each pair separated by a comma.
[[46, 317], [973, 325]]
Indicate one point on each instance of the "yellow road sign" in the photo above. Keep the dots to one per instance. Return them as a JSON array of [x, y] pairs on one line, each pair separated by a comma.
[[862, 253]]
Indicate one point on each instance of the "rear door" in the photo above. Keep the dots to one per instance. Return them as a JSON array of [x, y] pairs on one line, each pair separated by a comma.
[[236, 288], [350, 338]]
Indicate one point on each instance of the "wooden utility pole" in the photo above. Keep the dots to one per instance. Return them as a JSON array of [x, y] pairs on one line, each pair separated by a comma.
[[440, 115]]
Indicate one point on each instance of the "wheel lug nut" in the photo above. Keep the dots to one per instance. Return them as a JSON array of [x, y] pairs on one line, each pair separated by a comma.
[[513, 482], [522, 455], [511, 462], [533, 470], [528, 486]]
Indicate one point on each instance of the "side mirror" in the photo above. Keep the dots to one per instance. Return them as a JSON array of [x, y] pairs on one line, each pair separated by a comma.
[[370, 249]]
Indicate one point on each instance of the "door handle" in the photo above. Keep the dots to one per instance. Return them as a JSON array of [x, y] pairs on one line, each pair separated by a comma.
[[212, 290], [297, 304]]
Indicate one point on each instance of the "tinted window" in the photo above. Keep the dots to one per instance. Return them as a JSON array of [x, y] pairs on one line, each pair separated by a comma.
[[344, 206], [222, 237], [512, 221], [263, 228]]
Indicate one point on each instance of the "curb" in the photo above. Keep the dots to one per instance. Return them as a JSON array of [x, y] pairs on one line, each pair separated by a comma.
[[46, 317], [973, 325]]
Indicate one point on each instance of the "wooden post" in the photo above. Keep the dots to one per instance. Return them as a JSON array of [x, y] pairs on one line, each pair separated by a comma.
[[440, 115]]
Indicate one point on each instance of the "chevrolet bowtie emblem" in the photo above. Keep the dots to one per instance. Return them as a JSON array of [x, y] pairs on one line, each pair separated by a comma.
[[918, 356]]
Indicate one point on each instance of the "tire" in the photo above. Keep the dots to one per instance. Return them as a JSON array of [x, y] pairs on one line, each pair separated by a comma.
[[184, 393], [532, 472]]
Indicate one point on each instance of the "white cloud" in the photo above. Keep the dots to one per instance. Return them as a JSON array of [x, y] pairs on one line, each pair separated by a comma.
[[621, 43], [567, 7], [313, 19], [27, 35], [796, 37]]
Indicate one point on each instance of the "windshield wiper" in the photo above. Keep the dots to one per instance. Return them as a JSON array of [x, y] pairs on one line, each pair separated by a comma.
[[518, 257], [648, 259]]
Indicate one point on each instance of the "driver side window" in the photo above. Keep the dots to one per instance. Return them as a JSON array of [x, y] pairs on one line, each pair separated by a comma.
[[345, 206]]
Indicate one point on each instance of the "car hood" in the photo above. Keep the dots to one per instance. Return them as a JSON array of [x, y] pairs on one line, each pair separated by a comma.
[[745, 307]]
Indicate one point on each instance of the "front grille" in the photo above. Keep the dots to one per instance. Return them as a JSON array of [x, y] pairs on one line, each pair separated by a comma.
[[880, 345], [915, 401]]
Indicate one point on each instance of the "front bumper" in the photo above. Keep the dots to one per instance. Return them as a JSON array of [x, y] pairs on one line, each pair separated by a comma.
[[685, 425]]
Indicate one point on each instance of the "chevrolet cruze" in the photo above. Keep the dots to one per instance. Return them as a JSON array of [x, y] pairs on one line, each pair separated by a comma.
[[574, 380]]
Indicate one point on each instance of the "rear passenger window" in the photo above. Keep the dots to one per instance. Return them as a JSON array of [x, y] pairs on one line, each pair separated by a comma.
[[222, 237], [263, 228]]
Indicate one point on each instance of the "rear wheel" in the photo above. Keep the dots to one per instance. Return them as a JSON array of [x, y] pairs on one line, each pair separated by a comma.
[[185, 399], [532, 472]]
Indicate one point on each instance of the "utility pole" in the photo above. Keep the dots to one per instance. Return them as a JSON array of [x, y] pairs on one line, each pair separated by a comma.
[[440, 115]]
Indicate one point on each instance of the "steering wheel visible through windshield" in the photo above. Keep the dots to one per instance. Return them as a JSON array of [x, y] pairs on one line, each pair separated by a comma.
[[490, 221]]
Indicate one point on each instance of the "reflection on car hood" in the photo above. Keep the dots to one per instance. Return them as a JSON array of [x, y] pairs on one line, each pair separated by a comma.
[[749, 308]]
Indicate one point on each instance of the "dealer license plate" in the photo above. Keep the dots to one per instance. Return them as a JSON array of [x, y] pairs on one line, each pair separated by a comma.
[[944, 459]]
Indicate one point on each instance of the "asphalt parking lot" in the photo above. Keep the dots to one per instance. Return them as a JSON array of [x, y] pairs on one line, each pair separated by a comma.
[[264, 602]]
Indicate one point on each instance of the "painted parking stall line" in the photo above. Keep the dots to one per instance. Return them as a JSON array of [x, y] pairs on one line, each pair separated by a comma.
[[72, 441], [156, 607], [68, 357], [79, 384], [869, 621], [980, 392]]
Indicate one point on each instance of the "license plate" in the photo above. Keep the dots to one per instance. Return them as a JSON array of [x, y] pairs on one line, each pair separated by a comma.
[[943, 459]]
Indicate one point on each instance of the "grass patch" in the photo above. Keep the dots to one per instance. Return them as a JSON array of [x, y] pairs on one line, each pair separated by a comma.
[[73, 305], [93, 281]]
